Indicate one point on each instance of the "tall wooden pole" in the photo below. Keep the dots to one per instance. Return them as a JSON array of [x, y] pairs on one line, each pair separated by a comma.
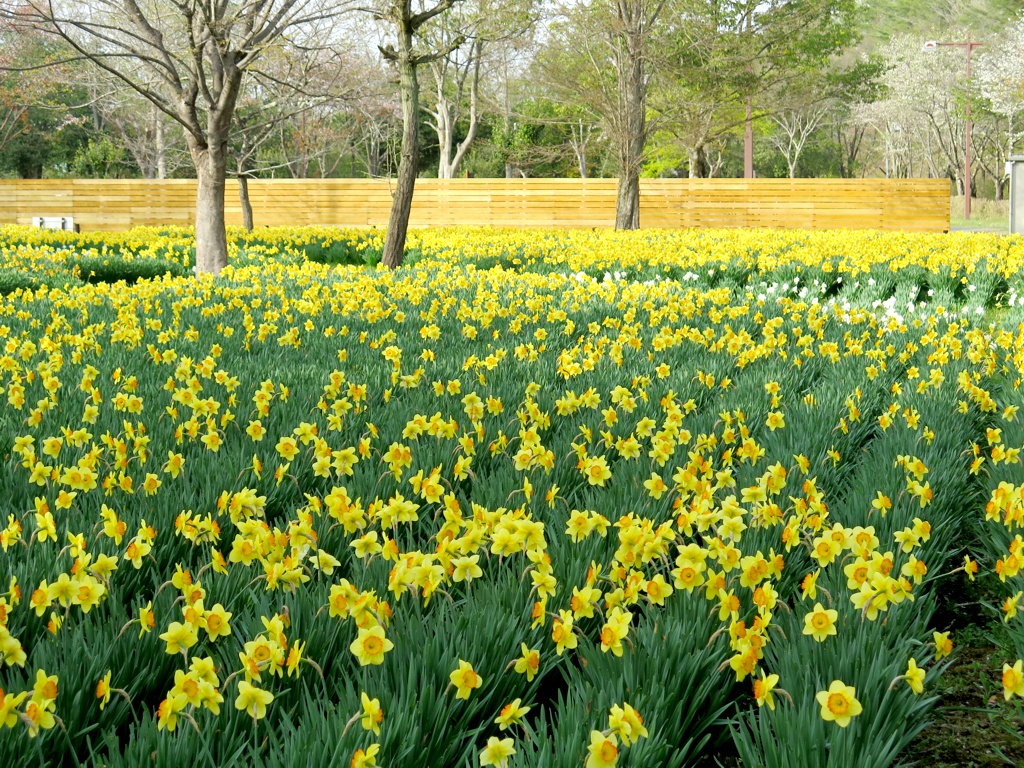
[[970, 46]]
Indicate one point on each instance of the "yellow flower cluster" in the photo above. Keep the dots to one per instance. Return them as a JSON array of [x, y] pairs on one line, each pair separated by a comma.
[[342, 456], [686, 254], [767, 250]]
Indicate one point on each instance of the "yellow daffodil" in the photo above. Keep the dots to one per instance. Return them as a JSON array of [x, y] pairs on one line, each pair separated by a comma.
[[603, 751], [763, 687], [820, 623], [370, 645], [511, 714], [528, 663], [497, 752], [839, 703], [372, 714], [103, 690], [465, 679], [914, 677], [253, 700]]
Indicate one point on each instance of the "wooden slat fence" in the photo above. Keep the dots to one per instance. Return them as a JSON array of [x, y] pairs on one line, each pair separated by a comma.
[[920, 205]]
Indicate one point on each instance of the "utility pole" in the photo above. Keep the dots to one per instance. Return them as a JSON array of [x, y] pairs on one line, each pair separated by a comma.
[[931, 45]]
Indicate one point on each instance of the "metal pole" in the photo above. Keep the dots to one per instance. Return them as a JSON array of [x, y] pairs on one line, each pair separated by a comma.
[[967, 137]]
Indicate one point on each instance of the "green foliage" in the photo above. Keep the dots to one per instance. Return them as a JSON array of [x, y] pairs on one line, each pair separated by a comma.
[[12, 280], [101, 158], [677, 662], [111, 269], [343, 252]]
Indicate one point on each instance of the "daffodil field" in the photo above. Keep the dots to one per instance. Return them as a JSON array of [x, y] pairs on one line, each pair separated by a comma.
[[536, 498]]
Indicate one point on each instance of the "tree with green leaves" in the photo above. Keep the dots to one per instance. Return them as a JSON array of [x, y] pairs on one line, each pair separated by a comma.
[[44, 118], [725, 54], [602, 56]]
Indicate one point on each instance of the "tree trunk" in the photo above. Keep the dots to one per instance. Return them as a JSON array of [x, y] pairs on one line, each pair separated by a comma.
[[630, 157], [401, 203], [243, 198], [445, 129], [698, 163], [474, 117], [631, 113], [161, 144], [627, 203], [445, 168], [632, 133], [579, 147], [211, 237], [372, 157]]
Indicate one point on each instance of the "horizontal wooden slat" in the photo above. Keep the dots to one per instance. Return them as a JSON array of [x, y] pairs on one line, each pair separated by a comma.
[[910, 204]]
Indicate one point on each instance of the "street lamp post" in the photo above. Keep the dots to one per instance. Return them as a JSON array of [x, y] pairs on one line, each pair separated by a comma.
[[931, 45]]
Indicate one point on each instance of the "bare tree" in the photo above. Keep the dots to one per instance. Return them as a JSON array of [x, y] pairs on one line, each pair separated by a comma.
[[314, 143], [15, 91], [849, 138], [189, 58], [354, 117], [137, 125], [30, 76], [989, 147], [303, 88], [919, 123], [510, 84], [378, 134], [407, 58], [794, 126], [456, 79], [581, 135]]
